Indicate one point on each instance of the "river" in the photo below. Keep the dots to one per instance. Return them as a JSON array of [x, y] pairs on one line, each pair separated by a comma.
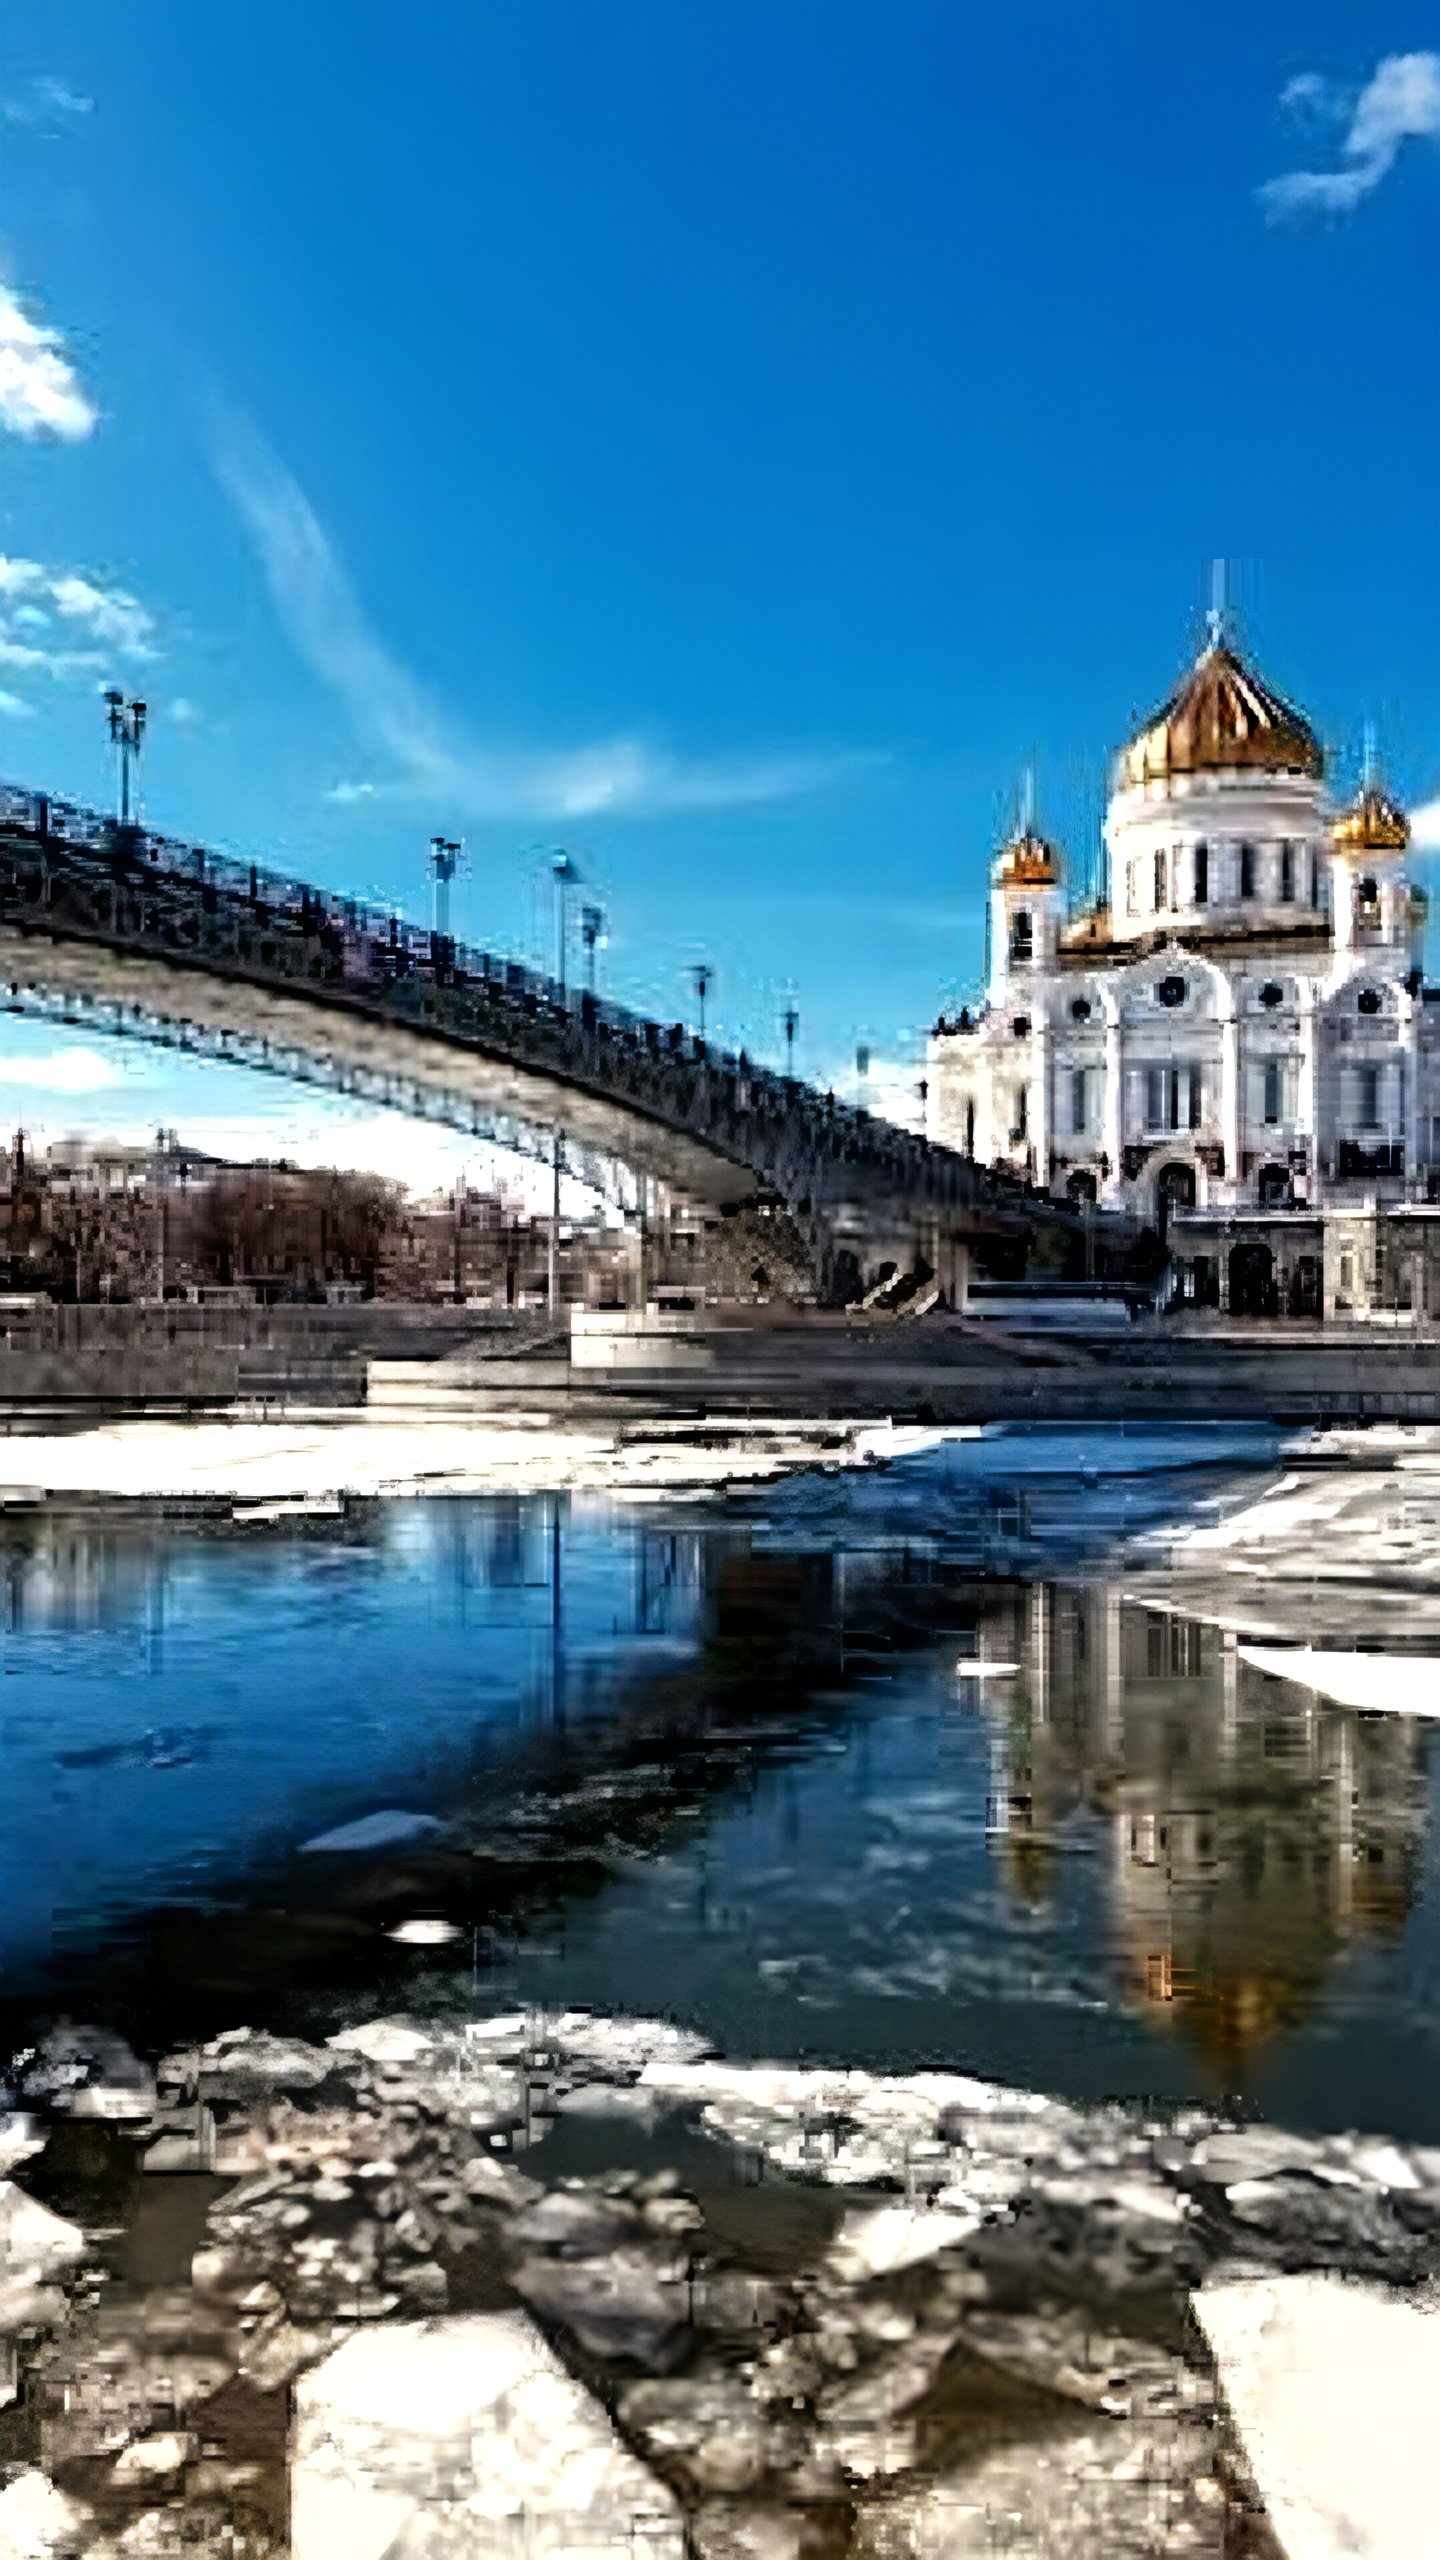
[[885, 1767]]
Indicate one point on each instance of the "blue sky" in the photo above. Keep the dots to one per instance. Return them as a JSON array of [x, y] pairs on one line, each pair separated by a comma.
[[729, 441]]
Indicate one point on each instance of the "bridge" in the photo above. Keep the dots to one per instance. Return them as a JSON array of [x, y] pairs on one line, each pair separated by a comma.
[[108, 926]]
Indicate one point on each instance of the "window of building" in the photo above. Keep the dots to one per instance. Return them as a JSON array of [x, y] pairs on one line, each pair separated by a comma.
[[1078, 1117], [969, 1124], [1367, 1097], [1274, 1098], [1347, 1276], [1173, 1097], [1132, 889], [1022, 939], [1202, 874], [1287, 872], [1247, 871], [1022, 1111], [1160, 897], [1314, 877]]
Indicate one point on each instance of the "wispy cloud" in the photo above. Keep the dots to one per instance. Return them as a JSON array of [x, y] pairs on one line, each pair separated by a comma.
[[44, 103], [40, 391], [426, 758], [63, 1071], [58, 626], [1399, 103]]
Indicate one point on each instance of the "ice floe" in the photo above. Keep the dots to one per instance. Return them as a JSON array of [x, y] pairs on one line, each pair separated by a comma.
[[1396, 1684], [1333, 2388], [389, 1829], [470, 2433]]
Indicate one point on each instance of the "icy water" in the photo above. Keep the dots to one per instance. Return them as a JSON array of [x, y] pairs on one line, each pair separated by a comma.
[[881, 1768]]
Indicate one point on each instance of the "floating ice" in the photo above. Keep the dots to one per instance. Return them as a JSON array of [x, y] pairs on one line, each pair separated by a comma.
[[1333, 2388], [422, 1933], [1397, 1684], [895, 2236], [388, 1830], [470, 2433]]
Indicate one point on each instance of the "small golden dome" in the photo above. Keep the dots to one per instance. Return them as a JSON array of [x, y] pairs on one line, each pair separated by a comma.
[[1029, 860], [1373, 823], [1220, 720]]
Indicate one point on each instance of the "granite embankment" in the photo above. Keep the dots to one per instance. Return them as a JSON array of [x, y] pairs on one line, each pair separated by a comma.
[[80, 1362]]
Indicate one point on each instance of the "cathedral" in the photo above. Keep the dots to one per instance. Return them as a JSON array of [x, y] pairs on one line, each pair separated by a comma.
[[1236, 1044]]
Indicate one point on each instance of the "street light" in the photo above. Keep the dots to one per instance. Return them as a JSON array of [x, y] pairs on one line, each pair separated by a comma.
[[790, 1023], [704, 978], [127, 728], [446, 856], [592, 930], [567, 877]]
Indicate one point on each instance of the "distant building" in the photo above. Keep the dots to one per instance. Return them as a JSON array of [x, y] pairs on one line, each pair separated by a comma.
[[1237, 1043]]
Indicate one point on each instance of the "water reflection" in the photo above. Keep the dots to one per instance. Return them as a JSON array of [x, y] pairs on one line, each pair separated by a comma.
[[1251, 1833], [820, 1794]]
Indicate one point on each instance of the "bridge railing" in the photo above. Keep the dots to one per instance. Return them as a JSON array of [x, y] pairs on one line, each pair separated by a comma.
[[371, 946]]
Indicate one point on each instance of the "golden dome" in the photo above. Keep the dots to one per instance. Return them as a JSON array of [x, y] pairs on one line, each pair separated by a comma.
[[1029, 860], [1373, 823], [1220, 720]]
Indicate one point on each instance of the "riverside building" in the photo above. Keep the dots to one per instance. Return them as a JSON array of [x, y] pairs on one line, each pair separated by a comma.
[[1236, 1043]]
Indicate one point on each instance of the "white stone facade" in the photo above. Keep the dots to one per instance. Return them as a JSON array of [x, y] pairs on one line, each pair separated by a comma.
[[1244, 1028]]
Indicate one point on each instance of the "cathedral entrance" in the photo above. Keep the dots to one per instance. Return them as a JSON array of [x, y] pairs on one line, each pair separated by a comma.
[[1305, 1291], [1252, 1280], [1174, 1190]]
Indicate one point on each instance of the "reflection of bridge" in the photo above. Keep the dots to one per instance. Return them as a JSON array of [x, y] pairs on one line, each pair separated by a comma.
[[127, 932]]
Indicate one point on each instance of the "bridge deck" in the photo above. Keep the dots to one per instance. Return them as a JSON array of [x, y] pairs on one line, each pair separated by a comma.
[[174, 941]]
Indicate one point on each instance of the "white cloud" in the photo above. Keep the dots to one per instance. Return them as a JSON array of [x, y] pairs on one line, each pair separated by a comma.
[[40, 392], [628, 775], [13, 708], [63, 1071], [1400, 103], [60, 625], [43, 101], [1425, 826]]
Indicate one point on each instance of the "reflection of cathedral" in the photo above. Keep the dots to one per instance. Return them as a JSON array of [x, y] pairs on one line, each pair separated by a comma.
[[1252, 1831], [1237, 1044]]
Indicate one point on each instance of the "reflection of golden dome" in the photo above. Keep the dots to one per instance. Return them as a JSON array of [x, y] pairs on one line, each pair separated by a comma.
[[1226, 2012], [1373, 823], [1027, 1861], [1222, 718], [1028, 859]]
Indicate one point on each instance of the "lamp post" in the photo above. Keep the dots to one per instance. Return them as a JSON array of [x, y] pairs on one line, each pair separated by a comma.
[[862, 1077], [704, 978], [790, 1024], [127, 728], [592, 930], [446, 853], [567, 877]]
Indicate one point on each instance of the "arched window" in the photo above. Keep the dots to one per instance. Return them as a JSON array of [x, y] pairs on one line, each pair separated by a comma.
[[969, 1124], [1287, 871], [1022, 937], [1247, 871], [1202, 874]]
